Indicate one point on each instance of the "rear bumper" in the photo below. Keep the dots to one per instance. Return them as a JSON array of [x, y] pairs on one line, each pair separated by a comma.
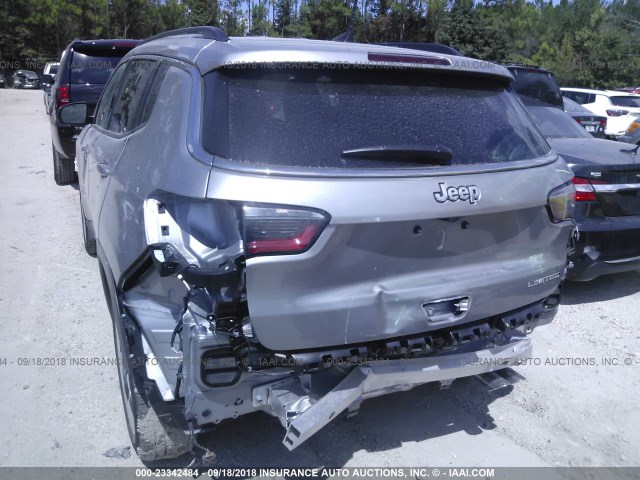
[[302, 417], [379, 378], [29, 86], [585, 271], [606, 252]]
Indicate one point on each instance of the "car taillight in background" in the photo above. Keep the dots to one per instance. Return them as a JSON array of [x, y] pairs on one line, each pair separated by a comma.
[[62, 96], [617, 113], [584, 189], [634, 126], [280, 230], [603, 123], [561, 202]]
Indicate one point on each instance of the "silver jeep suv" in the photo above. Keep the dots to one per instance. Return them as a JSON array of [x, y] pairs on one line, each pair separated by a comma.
[[294, 226]]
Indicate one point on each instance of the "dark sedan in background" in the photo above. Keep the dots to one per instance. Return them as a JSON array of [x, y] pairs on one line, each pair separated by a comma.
[[592, 123], [607, 180], [25, 79]]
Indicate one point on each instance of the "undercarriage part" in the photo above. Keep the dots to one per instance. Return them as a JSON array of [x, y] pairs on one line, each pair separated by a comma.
[[445, 384], [219, 368], [379, 378], [500, 379], [203, 457], [286, 399]]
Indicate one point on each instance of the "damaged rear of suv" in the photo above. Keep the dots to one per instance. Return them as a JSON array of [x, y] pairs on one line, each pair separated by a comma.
[[294, 226]]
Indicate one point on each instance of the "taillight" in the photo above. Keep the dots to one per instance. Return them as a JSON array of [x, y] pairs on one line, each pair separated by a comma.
[[560, 202], [584, 189], [280, 230], [62, 96], [603, 123], [617, 113], [634, 126]]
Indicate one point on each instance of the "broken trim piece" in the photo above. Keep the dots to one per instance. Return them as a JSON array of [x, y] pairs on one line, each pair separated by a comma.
[[377, 378], [154, 372]]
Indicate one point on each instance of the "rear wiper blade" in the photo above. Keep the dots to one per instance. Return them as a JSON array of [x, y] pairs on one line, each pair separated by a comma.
[[433, 154]]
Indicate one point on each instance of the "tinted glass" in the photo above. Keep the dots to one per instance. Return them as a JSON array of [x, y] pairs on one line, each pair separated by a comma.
[[153, 92], [573, 107], [108, 98], [307, 118], [53, 70], [554, 123], [538, 85], [126, 112], [579, 97], [633, 102], [93, 67]]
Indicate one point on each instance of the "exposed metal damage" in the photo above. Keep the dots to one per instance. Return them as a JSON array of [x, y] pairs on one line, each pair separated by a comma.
[[220, 370]]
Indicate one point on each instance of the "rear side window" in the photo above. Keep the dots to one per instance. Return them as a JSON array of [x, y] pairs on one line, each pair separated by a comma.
[[554, 123], [152, 96], [624, 101], [580, 97], [124, 110], [107, 101], [309, 117]]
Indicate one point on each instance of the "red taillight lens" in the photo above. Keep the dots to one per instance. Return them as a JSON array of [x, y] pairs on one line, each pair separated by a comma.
[[62, 96], [270, 230], [617, 113], [560, 202], [584, 189], [603, 123]]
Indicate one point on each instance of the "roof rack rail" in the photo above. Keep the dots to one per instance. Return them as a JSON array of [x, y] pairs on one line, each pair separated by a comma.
[[210, 33]]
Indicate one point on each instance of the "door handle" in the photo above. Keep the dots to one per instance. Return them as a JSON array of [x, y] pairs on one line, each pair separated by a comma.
[[85, 150], [104, 169]]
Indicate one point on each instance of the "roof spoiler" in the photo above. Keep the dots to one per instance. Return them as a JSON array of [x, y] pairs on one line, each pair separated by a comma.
[[208, 32]]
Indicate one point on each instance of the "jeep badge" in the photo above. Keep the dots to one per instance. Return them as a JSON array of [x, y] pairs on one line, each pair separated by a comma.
[[469, 193]]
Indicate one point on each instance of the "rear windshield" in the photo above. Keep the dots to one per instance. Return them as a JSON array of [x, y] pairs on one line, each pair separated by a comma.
[[53, 70], [94, 66], [626, 101], [554, 123], [538, 85], [309, 117], [573, 107]]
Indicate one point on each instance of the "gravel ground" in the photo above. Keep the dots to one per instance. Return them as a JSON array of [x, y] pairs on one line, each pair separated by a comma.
[[573, 409]]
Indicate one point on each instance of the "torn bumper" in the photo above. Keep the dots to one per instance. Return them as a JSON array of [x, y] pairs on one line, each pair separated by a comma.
[[379, 378]]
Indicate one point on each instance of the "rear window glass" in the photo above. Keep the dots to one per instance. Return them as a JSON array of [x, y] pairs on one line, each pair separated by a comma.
[[626, 101], [309, 117], [53, 70], [554, 123], [94, 67], [538, 85]]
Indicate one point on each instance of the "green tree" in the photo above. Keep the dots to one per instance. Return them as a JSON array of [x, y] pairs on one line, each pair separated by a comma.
[[203, 12], [464, 30]]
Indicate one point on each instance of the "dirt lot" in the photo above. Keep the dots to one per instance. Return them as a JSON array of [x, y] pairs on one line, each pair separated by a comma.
[[572, 409]]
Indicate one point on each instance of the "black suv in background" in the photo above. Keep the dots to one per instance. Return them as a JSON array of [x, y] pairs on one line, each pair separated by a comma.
[[84, 69], [535, 82]]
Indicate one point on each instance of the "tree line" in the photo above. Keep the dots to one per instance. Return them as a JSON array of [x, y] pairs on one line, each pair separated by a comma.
[[587, 43]]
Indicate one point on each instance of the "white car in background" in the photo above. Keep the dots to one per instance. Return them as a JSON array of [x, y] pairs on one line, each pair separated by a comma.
[[620, 108]]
